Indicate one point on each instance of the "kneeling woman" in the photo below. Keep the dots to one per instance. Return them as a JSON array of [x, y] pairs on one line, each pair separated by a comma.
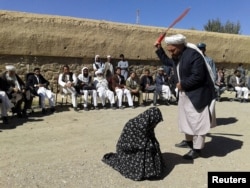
[[138, 155]]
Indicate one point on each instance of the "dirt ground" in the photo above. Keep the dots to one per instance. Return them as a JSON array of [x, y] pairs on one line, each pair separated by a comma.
[[65, 149]]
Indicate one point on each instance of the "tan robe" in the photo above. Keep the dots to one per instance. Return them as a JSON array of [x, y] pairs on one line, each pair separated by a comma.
[[191, 121]]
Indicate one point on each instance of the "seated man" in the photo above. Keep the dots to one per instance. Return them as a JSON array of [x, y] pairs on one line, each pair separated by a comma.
[[101, 85], [238, 83], [147, 84], [5, 103], [17, 91], [133, 86], [220, 85], [162, 87], [119, 87], [39, 86], [85, 87], [68, 80]]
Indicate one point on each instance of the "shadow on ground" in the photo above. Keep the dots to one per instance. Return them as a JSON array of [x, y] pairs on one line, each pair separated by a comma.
[[226, 121], [220, 145]]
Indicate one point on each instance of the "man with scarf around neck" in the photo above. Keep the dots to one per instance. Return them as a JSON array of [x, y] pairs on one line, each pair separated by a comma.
[[68, 80], [101, 85], [119, 87], [17, 91], [98, 64], [85, 87], [194, 81]]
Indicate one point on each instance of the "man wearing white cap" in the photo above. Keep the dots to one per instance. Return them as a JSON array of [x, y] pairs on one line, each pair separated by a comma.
[[193, 77], [102, 87], [108, 70], [98, 64], [86, 88], [16, 91], [162, 86]]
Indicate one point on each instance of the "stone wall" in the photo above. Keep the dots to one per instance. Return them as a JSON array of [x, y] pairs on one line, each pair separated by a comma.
[[30, 40]]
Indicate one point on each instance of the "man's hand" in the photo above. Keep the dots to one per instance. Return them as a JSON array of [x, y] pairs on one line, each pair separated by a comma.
[[157, 45], [69, 84], [178, 86], [15, 89]]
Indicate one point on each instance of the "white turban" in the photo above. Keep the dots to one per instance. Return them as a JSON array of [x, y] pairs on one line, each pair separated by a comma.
[[10, 68], [161, 69], [99, 71], [176, 39], [108, 56], [96, 56]]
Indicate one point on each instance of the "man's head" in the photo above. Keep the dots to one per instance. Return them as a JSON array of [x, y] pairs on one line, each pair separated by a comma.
[[97, 58], [161, 71], [202, 46], [133, 74], [147, 72], [122, 56], [237, 73], [66, 69], [118, 70], [99, 73], [85, 71], [108, 58], [11, 70], [175, 44], [37, 71]]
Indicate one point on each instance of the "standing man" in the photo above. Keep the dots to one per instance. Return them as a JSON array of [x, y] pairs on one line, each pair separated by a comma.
[[108, 71], [68, 80], [196, 91], [123, 64], [98, 64], [209, 60]]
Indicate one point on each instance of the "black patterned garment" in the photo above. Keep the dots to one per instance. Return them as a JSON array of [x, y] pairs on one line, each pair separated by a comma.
[[138, 155]]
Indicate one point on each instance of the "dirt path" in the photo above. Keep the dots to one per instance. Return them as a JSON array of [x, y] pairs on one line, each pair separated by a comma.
[[65, 149]]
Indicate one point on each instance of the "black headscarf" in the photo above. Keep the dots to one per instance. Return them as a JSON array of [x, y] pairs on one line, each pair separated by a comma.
[[138, 155]]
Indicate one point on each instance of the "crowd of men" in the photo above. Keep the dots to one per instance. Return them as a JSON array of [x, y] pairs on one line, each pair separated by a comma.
[[107, 85], [107, 88]]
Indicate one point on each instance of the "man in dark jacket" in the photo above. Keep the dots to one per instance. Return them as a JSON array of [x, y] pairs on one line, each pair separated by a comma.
[[17, 91], [196, 91], [39, 86]]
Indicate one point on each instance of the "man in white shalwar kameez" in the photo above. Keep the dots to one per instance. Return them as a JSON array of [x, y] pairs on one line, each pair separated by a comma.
[[196, 105], [86, 88], [103, 91]]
